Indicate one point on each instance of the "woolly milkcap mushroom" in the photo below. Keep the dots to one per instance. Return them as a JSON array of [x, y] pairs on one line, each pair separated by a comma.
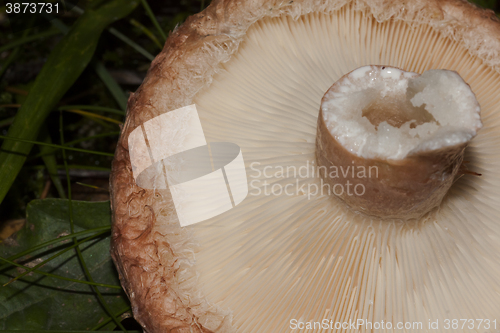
[[257, 72]]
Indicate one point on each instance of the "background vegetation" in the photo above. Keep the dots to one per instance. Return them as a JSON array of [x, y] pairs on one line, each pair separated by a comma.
[[64, 84]]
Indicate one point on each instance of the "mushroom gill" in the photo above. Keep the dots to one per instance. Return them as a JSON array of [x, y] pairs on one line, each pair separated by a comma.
[[257, 72]]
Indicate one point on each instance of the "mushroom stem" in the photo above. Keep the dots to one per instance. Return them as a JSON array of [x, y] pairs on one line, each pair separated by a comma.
[[398, 138]]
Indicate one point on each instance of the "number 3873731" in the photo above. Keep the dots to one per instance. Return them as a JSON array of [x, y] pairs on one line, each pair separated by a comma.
[[31, 8]]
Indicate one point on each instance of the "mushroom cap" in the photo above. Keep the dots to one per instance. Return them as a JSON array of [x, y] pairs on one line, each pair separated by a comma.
[[275, 258]]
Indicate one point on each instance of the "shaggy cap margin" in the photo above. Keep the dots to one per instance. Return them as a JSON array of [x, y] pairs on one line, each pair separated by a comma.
[[153, 254]]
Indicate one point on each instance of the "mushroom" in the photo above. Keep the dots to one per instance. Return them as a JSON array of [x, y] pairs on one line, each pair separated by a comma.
[[289, 254]]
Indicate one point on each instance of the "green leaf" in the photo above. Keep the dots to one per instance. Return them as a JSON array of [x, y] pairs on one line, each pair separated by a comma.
[[64, 65], [30, 302]]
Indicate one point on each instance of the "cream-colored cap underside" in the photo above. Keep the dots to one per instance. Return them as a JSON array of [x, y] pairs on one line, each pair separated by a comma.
[[304, 256]]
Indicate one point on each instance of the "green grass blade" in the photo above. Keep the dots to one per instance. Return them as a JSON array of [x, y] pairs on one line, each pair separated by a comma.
[[54, 241], [109, 319], [6, 122], [72, 228], [154, 20], [70, 143], [27, 39], [95, 116], [7, 138], [101, 71], [7, 62], [62, 27], [57, 23], [55, 256], [112, 86], [72, 166], [55, 276], [92, 108], [91, 186], [147, 32], [50, 162], [132, 44], [13, 55], [85, 167], [63, 66]]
